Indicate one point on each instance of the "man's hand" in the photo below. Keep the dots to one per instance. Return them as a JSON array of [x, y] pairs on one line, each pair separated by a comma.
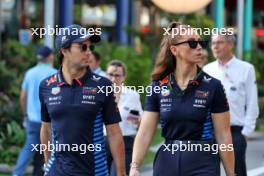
[[23, 101], [45, 137]]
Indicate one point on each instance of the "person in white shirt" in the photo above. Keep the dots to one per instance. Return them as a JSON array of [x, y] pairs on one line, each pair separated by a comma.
[[94, 64], [204, 59], [130, 109], [239, 80]]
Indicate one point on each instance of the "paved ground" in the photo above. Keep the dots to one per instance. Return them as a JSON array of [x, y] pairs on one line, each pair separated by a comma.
[[255, 157]]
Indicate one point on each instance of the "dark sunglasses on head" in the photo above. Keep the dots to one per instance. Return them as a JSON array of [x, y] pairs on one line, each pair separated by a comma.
[[193, 43], [84, 47]]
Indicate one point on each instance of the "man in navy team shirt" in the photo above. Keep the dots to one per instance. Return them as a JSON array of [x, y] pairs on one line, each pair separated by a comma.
[[74, 107]]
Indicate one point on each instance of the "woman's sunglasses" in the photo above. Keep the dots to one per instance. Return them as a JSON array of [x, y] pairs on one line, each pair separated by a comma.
[[193, 43]]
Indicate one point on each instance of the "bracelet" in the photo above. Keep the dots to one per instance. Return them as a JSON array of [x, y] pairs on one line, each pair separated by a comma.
[[44, 166], [134, 165]]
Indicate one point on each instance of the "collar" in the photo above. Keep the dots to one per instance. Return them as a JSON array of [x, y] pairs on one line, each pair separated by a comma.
[[228, 64], [44, 64], [173, 86], [81, 81], [195, 82], [97, 70]]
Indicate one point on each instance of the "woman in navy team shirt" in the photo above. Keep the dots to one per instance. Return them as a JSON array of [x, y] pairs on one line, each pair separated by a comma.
[[191, 108]]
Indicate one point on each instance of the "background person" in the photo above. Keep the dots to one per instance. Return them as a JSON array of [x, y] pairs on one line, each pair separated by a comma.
[[239, 80], [204, 59], [130, 109], [30, 106], [94, 64], [191, 108]]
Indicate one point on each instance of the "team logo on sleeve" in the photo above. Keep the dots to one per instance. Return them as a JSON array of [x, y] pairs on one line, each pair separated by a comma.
[[55, 90], [52, 80]]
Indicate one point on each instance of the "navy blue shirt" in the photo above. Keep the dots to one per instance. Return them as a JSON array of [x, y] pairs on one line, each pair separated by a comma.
[[77, 113], [186, 115]]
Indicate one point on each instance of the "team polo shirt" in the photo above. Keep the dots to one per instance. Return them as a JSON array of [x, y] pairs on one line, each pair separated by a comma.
[[77, 113], [187, 114]]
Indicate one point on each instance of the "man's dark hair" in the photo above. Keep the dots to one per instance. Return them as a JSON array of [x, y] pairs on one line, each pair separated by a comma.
[[96, 55], [60, 56]]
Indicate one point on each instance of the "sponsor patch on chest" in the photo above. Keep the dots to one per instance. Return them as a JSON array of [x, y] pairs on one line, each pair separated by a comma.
[[199, 103]]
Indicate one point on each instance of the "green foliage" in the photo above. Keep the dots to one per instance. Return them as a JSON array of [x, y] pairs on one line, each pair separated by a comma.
[[16, 59], [138, 65], [8, 111], [19, 57], [11, 139], [257, 61], [77, 10], [5, 76]]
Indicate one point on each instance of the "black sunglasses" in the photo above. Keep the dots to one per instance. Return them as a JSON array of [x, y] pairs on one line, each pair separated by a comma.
[[84, 47], [193, 43], [114, 75]]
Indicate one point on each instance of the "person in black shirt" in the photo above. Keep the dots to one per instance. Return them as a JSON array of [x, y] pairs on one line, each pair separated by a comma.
[[191, 108]]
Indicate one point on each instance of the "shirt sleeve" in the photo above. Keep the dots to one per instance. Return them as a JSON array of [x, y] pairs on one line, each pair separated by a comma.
[[152, 102], [25, 83], [252, 108], [110, 113], [219, 103], [44, 111]]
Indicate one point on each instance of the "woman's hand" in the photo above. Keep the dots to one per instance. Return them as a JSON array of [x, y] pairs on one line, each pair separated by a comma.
[[134, 171]]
